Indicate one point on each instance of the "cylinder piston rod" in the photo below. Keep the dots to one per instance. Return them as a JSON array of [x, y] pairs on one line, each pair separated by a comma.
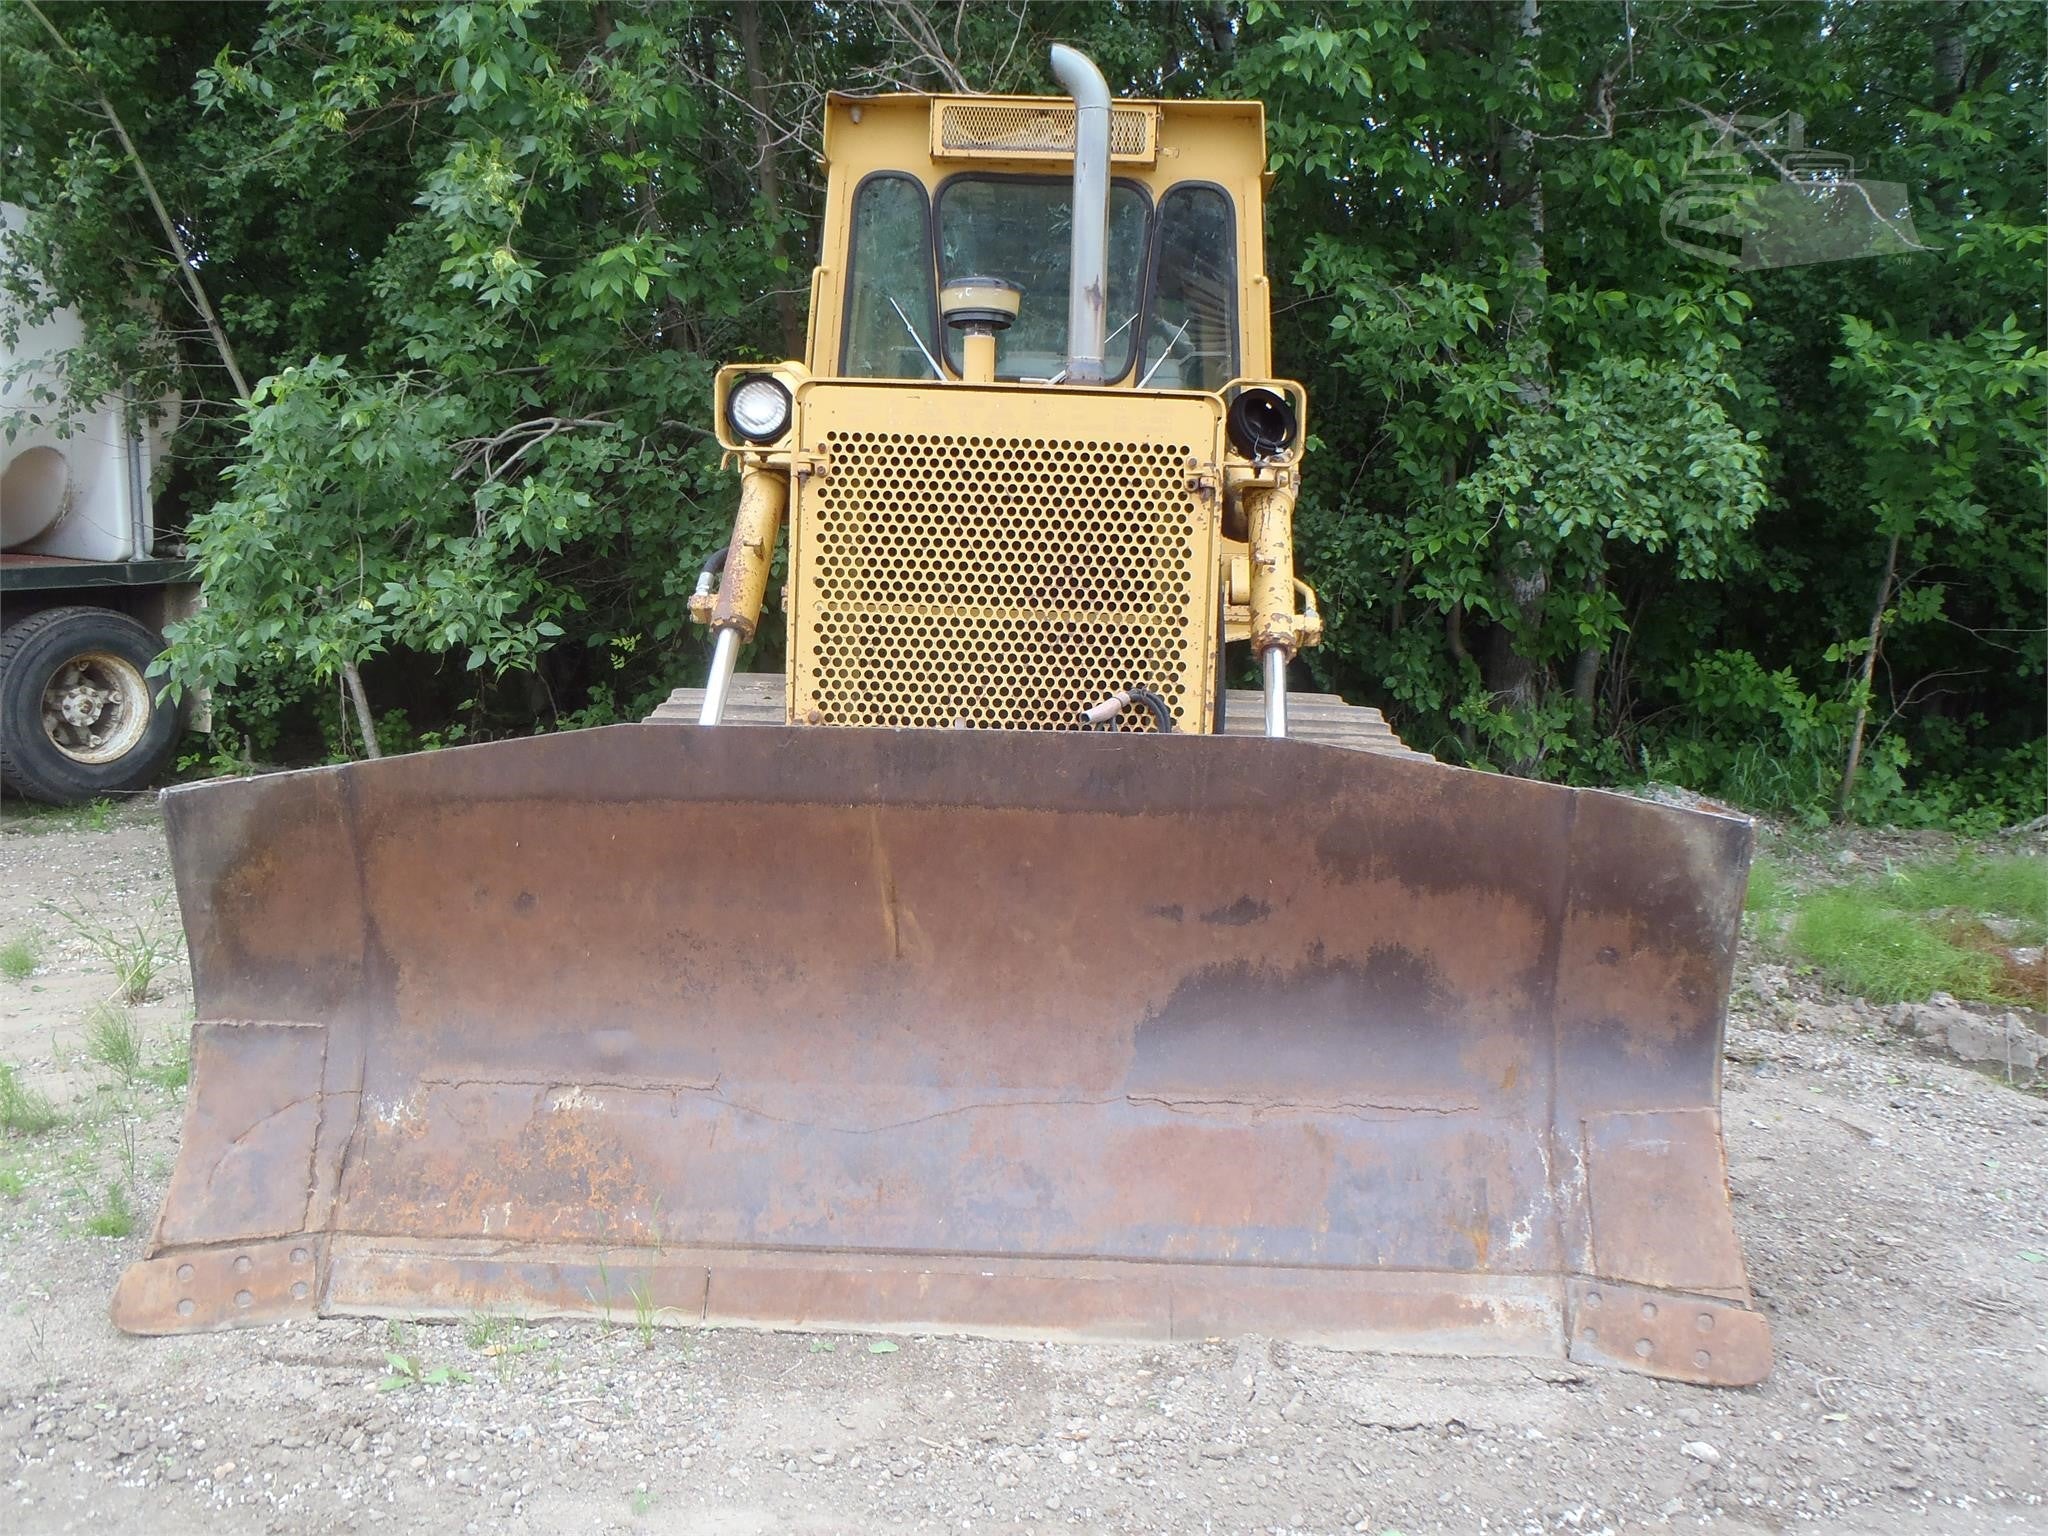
[[1273, 664], [723, 658]]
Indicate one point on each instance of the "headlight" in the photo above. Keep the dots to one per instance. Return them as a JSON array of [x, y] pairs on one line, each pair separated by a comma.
[[757, 408], [1261, 423]]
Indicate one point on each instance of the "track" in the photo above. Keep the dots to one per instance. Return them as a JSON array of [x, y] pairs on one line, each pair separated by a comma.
[[1323, 718]]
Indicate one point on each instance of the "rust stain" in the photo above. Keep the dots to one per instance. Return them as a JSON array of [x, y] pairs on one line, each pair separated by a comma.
[[1115, 1088]]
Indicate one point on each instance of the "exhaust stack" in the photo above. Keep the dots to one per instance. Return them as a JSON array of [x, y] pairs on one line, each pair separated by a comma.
[[1087, 286]]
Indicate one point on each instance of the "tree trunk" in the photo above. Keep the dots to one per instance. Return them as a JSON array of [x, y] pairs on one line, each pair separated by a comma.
[[758, 92], [353, 681], [1515, 678], [1454, 641], [1884, 594], [1585, 684], [1949, 59], [1586, 671], [1222, 39]]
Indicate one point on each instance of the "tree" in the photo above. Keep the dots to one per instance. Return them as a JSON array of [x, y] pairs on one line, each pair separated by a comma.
[[1582, 503]]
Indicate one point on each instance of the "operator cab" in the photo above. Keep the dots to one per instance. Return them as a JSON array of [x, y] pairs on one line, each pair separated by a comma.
[[1034, 467], [925, 191]]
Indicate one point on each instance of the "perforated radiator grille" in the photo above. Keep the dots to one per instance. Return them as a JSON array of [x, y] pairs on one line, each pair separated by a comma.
[[972, 130], [1000, 581]]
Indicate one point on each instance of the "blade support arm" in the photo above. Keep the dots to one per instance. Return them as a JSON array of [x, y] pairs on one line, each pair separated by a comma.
[[764, 497]]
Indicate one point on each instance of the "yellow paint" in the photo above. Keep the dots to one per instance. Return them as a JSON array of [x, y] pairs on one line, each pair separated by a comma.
[[965, 552]]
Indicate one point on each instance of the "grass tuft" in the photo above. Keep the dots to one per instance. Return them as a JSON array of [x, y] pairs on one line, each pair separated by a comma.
[[19, 958], [1770, 893], [23, 1110], [1874, 950], [112, 1040], [2009, 885], [174, 1068], [138, 948], [115, 1217]]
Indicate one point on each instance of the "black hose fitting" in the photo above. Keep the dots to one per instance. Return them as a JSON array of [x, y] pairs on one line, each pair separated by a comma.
[[1103, 716]]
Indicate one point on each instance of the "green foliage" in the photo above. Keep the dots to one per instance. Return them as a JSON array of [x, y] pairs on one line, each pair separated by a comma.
[[136, 945], [173, 1068], [1876, 951], [347, 532], [1770, 894], [19, 957], [116, 1215], [112, 1041], [1581, 503], [2006, 885], [404, 1373], [1919, 929], [25, 1111], [1761, 740]]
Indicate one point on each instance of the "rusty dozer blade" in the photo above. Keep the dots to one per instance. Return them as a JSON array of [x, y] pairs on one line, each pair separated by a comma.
[[1012, 1034]]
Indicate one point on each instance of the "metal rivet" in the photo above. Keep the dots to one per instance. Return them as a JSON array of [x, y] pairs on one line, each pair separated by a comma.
[[184, 1271], [298, 1290], [1706, 1322], [244, 1298], [1700, 1358], [1649, 1310], [185, 1307], [1643, 1348], [298, 1255], [243, 1264], [1592, 1298]]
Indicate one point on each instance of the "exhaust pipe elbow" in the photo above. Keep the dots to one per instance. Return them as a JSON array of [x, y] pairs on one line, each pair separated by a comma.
[[1088, 272]]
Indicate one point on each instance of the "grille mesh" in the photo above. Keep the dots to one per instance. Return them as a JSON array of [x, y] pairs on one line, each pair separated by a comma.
[[967, 128], [1003, 582]]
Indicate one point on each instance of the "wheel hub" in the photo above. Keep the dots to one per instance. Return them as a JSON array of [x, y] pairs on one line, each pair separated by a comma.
[[95, 707], [83, 705]]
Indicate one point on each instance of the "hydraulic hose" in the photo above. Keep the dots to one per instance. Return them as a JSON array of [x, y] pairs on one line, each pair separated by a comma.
[[707, 573], [1103, 716]]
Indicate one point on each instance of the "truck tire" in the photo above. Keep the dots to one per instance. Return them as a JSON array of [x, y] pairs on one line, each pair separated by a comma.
[[79, 717]]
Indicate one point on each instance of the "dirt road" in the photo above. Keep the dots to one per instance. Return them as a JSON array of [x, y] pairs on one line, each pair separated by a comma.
[[1894, 1210]]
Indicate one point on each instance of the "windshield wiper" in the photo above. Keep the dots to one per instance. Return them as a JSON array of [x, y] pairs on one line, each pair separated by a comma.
[[937, 372], [1061, 376], [1167, 353]]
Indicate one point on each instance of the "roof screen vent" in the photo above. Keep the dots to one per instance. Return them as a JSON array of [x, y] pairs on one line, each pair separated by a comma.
[[975, 130]]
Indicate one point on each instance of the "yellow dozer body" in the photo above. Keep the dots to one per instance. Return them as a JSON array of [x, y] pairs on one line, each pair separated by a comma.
[[984, 971]]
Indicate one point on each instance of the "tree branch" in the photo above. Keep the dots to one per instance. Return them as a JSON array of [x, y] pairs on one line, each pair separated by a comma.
[[193, 286]]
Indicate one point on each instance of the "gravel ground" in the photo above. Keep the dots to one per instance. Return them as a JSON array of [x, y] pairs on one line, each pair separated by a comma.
[[1893, 1207]]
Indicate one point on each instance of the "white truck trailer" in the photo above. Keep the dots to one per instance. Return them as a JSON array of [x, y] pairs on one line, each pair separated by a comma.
[[84, 588]]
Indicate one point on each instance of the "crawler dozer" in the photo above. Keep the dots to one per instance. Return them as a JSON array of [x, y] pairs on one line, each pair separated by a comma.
[[994, 968]]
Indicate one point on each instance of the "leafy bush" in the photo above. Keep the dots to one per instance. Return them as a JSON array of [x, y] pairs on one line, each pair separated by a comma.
[[1758, 738]]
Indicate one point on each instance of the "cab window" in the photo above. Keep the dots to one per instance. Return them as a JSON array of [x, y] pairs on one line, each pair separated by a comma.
[[1191, 318], [891, 305], [1020, 228]]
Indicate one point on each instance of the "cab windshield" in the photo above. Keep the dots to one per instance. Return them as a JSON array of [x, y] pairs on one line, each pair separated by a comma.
[[1172, 299], [1021, 228], [1013, 227]]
